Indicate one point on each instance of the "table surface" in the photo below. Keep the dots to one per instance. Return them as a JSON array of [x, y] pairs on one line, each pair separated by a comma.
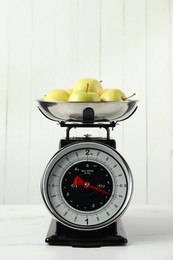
[[23, 228]]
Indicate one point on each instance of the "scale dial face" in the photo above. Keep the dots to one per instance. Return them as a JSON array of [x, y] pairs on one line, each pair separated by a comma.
[[87, 185]]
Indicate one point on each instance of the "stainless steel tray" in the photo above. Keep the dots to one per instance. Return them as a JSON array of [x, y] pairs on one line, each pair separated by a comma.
[[64, 111]]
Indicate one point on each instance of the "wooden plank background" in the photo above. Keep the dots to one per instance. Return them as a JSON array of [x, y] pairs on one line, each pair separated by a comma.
[[47, 44]]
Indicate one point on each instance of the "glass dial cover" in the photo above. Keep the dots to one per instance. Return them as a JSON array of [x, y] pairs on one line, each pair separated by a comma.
[[87, 185]]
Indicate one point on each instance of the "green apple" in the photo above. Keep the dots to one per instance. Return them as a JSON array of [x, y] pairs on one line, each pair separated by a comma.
[[56, 95], [84, 96], [94, 85], [114, 95]]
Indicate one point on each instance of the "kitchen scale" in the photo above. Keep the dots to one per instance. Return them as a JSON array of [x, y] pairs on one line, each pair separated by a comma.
[[87, 185]]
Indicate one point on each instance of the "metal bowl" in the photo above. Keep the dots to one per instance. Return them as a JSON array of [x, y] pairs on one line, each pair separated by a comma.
[[64, 111]]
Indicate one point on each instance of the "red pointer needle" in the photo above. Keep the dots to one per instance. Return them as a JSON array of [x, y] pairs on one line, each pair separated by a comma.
[[79, 182], [100, 190]]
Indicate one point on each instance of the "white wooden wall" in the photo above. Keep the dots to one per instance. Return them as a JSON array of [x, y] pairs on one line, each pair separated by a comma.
[[46, 44]]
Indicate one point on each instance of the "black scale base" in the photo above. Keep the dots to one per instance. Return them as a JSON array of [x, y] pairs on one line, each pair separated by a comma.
[[112, 235]]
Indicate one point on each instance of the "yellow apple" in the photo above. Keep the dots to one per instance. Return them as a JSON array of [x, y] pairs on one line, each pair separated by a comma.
[[114, 95], [94, 85], [56, 95], [104, 90], [84, 96], [69, 90]]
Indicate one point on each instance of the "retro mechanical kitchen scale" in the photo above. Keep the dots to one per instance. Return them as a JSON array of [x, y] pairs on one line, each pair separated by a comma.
[[87, 185]]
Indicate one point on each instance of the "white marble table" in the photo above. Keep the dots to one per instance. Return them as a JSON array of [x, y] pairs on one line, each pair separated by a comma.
[[23, 229]]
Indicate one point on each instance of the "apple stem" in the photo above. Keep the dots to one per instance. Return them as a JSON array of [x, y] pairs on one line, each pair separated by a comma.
[[131, 96], [87, 87], [100, 81]]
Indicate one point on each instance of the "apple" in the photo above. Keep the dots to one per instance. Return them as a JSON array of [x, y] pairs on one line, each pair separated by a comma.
[[56, 95], [84, 96], [94, 85], [114, 95], [69, 90], [104, 90]]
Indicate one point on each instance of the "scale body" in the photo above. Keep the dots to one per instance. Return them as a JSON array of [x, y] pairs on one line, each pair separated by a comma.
[[87, 186]]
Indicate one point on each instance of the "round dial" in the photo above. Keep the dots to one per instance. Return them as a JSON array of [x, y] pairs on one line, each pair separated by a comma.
[[87, 185]]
